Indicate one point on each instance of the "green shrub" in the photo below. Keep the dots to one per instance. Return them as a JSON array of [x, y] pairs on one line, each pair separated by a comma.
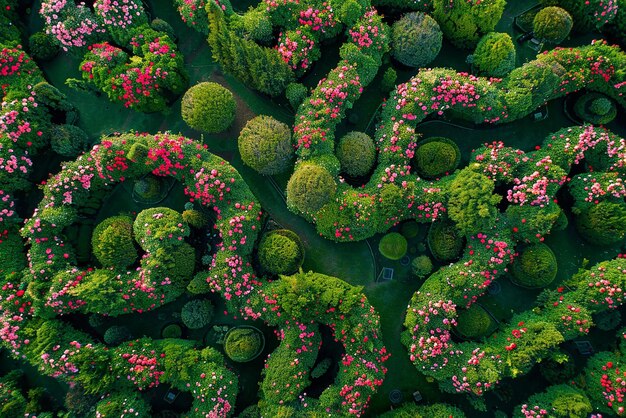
[[393, 246], [494, 55], [265, 145], [464, 22], [356, 153], [180, 263], [434, 157], [159, 227], [258, 26], [147, 188], [595, 108], [116, 334], [112, 242], [172, 331], [68, 140], [197, 313], [389, 80], [42, 46], [208, 107], [243, 344], [296, 93], [472, 202], [321, 368], [195, 218], [161, 25], [410, 229], [534, 267], [474, 322], [309, 188], [421, 266], [552, 24], [445, 241], [281, 252], [416, 39], [603, 224]]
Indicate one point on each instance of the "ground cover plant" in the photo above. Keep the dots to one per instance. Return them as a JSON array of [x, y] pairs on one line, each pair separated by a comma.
[[305, 208]]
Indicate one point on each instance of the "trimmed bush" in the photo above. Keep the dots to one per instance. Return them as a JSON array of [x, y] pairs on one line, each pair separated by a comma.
[[393, 246], [159, 227], [116, 335], [494, 55], [42, 46], [472, 202], [410, 229], [473, 322], [535, 267], [464, 22], [309, 188], [281, 252], [595, 108], [437, 156], [416, 39], [147, 188], [208, 107], [421, 266], [258, 26], [265, 145], [243, 344], [603, 224], [197, 313], [68, 140], [112, 242], [172, 331], [296, 93], [445, 241], [356, 153], [552, 24]]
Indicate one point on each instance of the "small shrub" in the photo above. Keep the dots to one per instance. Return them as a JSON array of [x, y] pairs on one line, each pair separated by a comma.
[[208, 107], [68, 140], [473, 322], [421, 266], [116, 335], [309, 188], [393, 246], [296, 93], [603, 224], [172, 331], [494, 55], [281, 252], [258, 26], [159, 227], [42, 46], [180, 263], [410, 229], [161, 25], [356, 153], [552, 24], [265, 145], [243, 344], [195, 218], [112, 242], [595, 108], [535, 266], [434, 157], [445, 241], [197, 313], [416, 39]]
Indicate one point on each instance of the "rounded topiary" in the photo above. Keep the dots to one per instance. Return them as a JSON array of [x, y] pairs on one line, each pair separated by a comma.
[[265, 145], [445, 241], [416, 39], [603, 224], [552, 24], [421, 266], [172, 331], [42, 47], [434, 157], [147, 188], [356, 153], [112, 242], [197, 313], [393, 246], [68, 140], [595, 108], [258, 26], [116, 335], [534, 267], [310, 187], [243, 344], [208, 107], [474, 322], [281, 252], [159, 227], [296, 93], [494, 55], [410, 229]]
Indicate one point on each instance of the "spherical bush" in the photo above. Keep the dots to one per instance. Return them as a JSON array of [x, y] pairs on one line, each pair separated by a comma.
[[296, 93], [159, 227], [421, 266], [309, 188], [434, 157], [281, 252], [393, 246], [265, 145], [68, 140], [356, 153], [534, 267], [416, 39], [595, 108], [197, 313], [112, 242], [603, 224], [494, 55], [116, 335], [445, 241], [243, 344], [552, 24], [473, 322], [208, 107]]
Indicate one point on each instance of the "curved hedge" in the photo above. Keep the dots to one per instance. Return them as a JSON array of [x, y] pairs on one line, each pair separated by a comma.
[[280, 252], [436, 157], [535, 266], [208, 107]]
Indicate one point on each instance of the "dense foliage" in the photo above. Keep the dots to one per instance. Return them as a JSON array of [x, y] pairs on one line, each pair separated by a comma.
[[535, 266], [265, 145], [464, 22], [552, 24], [208, 107], [356, 153], [494, 55], [280, 252], [415, 39]]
